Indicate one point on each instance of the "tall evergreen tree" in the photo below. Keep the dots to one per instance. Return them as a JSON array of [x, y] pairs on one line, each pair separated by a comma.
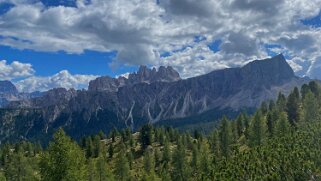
[[311, 110], [225, 137], [240, 124], [166, 153], [18, 168], [281, 102], [149, 162], [146, 135], [283, 125], [64, 160], [103, 173], [122, 166], [181, 170], [293, 107], [258, 130]]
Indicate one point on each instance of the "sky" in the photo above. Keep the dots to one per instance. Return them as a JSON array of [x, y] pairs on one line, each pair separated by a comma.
[[66, 43]]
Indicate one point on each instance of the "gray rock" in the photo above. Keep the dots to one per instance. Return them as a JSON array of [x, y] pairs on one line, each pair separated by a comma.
[[153, 96]]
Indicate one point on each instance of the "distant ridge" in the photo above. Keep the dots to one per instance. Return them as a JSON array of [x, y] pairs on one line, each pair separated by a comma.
[[149, 96]]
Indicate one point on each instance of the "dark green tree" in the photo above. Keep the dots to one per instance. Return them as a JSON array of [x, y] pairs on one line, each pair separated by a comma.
[[293, 107], [146, 136], [258, 130], [311, 110], [63, 160], [181, 171], [225, 137], [283, 125], [122, 171]]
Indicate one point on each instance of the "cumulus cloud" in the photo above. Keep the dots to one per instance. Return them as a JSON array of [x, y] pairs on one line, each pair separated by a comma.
[[141, 30], [15, 70], [62, 79]]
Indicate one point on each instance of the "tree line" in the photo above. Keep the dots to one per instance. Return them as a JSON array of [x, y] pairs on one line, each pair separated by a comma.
[[280, 141]]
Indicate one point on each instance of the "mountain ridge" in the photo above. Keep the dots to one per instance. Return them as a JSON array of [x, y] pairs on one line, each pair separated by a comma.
[[135, 104]]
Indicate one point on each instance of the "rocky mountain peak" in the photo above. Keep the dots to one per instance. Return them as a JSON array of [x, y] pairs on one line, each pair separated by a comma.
[[7, 87], [143, 75], [273, 70]]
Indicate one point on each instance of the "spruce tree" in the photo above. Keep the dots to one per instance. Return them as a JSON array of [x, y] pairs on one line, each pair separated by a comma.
[[293, 107], [311, 110], [146, 136], [103, 173], [63, 160], [181, 170], [122, 171], [166, 153], [283, 125], [225, 137], [18, 168], [258, 130], [281, 102], [240, 124]]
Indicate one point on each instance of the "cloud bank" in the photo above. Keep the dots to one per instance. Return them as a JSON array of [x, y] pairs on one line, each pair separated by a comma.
[[143, 31]]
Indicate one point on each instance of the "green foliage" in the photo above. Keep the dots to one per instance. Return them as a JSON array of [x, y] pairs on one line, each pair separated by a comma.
[[293, 107], [63, 160], [258, 130], [122, 170], [146, 136], [281, 141], [225, 137], [310, 107]]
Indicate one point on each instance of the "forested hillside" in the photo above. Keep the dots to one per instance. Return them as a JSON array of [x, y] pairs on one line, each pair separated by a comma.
[[281, 141]]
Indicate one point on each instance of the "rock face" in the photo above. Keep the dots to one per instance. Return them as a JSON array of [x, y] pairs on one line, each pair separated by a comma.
[[9, 93], [144, 74], [150, 96], [6, 87]]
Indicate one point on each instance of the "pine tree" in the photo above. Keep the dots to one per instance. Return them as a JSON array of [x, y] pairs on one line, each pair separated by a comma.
[[122, 166], [264, 108], [146, 136], [149, 163], [195, 160], [166, 153], [293, 107], [18, 168], [283, 125], [180, 167], [113, 134], [103, 173], [205, 161], [281, 102], [111, 151], [315, 88], [272, 118], [64, 160], [225, 137], [258, 130], [215, 144], [240, 124], [97, 146], [311, 110]]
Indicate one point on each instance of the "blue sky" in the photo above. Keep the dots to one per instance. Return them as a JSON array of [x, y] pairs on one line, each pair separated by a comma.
[[49, 63], [67, 43]]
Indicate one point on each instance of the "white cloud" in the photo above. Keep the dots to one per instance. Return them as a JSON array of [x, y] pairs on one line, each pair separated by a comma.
[[15, 70], [140, 30], [62, 79]]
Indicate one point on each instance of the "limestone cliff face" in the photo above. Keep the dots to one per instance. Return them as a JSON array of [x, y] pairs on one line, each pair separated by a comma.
[[153, 96], [9, 92], [144, 75]]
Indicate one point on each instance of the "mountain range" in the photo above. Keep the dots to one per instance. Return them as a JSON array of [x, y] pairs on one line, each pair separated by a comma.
[[156, 96]]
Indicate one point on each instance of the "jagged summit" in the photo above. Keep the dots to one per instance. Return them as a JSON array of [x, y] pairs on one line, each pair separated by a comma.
[[8, 87], [143, 75], [275, 66], [153, 96]]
